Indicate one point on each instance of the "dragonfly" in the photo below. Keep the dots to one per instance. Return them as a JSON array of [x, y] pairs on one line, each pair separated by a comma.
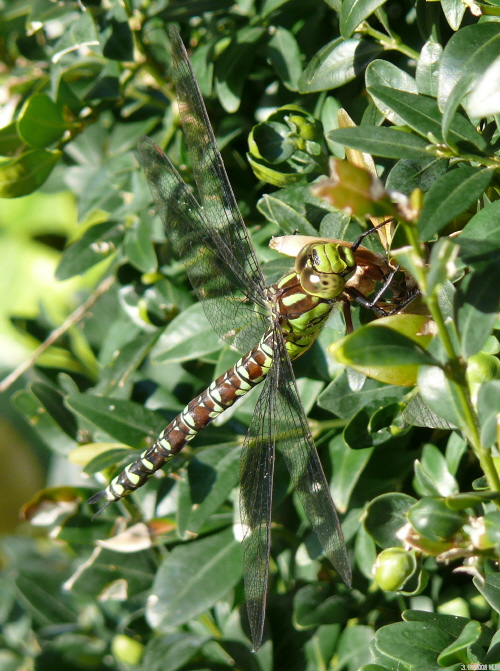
[[274, 324]]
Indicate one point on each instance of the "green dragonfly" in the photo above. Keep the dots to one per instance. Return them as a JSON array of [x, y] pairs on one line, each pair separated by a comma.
[[272, 324]]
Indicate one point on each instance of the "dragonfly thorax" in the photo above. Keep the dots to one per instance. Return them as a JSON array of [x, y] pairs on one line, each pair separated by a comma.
[[324, 267]]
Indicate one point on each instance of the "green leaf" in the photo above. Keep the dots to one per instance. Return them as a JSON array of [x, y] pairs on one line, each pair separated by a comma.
[[284, 54], [423, 116], [341, 400], [428, 68], [411, 645], [337, 63], [484, 99], [385, 516], [24, 174], [10, 142], [205, 485], [171, 652], [40, 121], [438, 393], [476, 305], [386, 142], [353, 13], [188, 336], [417, 173], [233, 66], [354, 647], [454, 11], [457, 651], [285, 214], [488, 403], [480, 238], [449, 196], [98, 242], [383, 73], [139, 247], [472, 49], [193, 578], [81, 32], [489, 587], [381, 352], [128, 422], [314, 605], [53, 403], [434, 466]]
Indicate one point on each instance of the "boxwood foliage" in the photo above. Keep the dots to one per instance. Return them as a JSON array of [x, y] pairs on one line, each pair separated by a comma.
[[410, 451]]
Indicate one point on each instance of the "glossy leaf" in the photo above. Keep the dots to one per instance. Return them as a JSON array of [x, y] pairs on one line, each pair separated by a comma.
[[193, 577], [188, 336], [439, 394], [206, 484], [383, 73], [353, 13], [471, 50], [428, 68], [476, 308], [22, 175], [41, 122], [386, 142], [284, 54], [423, 116], [336, 64], [128, 422], [386, 515], [383, 353], [449, 196]]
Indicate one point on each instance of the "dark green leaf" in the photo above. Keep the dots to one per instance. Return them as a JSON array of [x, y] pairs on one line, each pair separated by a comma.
[[22, 175], [337, 63], [205, 485], [450, 195], [383, 73], [353, 13], [423, 115], [386, 142], [96, 244], [233, 65], [126, 421], [171, 652], [418, 173], [315, 605], [476, 305], [193, 577], [53, 402], [284, 54], [472, 49], [188, 336], [385, 516]]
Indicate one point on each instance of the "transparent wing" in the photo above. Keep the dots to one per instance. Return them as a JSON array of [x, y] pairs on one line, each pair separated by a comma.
[[209, 236], [279, 422], [217, 283]]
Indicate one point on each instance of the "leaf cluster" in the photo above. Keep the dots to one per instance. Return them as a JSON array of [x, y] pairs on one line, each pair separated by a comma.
[[410, 452]]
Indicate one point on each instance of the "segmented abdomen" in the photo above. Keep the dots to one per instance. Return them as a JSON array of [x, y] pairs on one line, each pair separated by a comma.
[[248, 372]]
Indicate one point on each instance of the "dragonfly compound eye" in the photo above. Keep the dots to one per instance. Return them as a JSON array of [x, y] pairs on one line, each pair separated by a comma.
[[323, 285]]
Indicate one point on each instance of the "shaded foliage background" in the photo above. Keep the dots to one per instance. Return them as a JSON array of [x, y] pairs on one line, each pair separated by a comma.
[[82, 82]]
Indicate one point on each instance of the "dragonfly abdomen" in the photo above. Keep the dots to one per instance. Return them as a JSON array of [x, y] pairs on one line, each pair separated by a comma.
[[247, 373]]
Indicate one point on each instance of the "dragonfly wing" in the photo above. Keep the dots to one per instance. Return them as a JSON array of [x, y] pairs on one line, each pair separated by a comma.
[[216, 195], [233, 317], [256, 484], [294, 440]]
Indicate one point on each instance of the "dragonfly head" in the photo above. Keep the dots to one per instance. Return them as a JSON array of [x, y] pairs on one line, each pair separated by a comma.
[[323, 268]]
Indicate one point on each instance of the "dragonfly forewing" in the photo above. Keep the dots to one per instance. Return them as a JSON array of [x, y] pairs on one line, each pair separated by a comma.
[[233, 316]]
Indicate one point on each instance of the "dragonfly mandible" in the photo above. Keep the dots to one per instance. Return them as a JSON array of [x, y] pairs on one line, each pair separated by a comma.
[[273, 324]]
